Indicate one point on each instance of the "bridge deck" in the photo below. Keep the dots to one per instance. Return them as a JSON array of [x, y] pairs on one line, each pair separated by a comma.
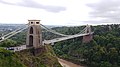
[[64, 38]]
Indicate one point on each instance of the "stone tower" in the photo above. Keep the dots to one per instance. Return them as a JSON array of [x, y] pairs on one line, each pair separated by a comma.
[[88, 37], [34, 34]]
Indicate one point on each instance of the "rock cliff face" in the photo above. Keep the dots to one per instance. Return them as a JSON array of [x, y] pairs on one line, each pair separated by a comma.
[[40, 57]]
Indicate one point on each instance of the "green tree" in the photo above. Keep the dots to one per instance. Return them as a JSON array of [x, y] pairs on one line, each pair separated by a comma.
[[8, 43]]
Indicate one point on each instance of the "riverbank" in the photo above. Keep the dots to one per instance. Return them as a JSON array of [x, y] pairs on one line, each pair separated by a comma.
[[65, 63]]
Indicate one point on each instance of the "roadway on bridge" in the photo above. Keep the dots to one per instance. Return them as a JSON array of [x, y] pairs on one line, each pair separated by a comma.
[[65, 38]]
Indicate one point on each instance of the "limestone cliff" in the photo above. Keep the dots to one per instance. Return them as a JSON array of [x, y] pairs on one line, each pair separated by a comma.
[[40, 57]]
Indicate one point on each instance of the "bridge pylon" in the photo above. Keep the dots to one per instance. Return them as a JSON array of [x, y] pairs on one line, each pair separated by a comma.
[[88, 37], [34, 34]]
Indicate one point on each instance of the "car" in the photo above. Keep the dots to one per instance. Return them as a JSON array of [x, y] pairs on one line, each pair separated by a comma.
[[10, 48]]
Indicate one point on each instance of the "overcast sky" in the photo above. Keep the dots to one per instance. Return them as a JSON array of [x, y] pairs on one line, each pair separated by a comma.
[[60, 12]]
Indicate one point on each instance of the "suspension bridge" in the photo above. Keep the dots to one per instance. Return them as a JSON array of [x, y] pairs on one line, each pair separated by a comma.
[[34, 34]]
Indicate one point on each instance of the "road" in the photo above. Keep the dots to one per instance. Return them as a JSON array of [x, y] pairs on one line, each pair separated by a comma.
[[65, 63], [65, 38]]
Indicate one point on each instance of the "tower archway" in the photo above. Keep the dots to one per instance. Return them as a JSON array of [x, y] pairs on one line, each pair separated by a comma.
[[31, 30], [30, 40]]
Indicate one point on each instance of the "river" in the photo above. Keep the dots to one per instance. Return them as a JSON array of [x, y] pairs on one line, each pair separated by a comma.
[[65, 63]]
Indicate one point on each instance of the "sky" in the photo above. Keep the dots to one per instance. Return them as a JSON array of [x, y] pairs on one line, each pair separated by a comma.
[[60, 12]]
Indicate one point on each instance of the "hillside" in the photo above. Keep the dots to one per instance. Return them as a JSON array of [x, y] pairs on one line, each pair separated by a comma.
[[41, 57], [102, 51]]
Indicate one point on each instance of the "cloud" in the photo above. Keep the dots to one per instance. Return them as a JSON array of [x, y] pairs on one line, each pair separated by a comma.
[[109, 10], [33, 4]]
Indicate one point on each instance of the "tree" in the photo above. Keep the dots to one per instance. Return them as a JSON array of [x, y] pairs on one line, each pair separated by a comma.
[[105, 64], [8, 43]]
